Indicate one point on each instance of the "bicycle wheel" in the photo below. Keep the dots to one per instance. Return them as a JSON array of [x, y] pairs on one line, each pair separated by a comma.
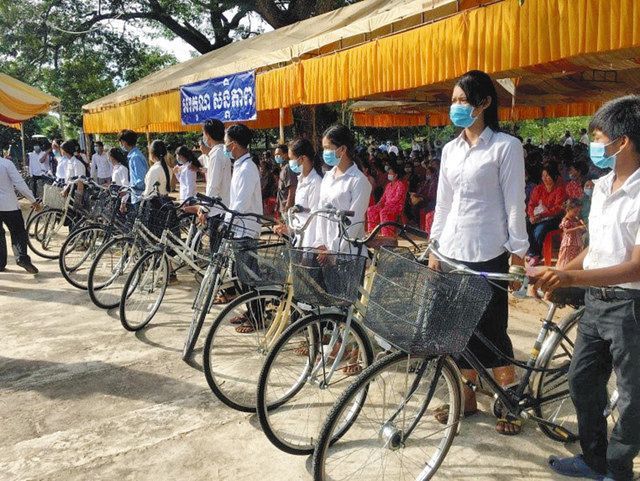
[[395, 435], [144, 290], [231, 360], [201, 305], [553, 400], [109, 271], [296, 388], [48, 233], [78, 252]]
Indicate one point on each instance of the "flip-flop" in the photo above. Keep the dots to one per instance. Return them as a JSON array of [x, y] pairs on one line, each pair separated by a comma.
[[574, 467], [441, 414], [237, 320], [246, 328], [512, 422]]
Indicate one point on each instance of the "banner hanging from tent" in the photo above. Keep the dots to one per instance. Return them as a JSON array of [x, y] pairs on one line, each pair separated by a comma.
[[228, 99]]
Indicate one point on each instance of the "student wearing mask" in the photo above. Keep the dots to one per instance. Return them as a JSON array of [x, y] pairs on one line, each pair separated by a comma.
[[186, 171], [343, 187], [10, 215], [74, 168], [100, 165], [159, 172], [138, 166], [287, 180], [391, 204], [119, 169], [479, 218], [38, 167], [217, 165], [302, 162], [608, 337]]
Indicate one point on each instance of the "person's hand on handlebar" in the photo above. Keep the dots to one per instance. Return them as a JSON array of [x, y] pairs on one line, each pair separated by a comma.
[[548, 279], [281, 229], [516, 260]]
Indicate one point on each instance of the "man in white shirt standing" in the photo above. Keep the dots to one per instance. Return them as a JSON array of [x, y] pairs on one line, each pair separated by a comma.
[[100, 165], [608, 337], [11, 216], [584, 137], [38, 166], [568, 140], [217, 165]]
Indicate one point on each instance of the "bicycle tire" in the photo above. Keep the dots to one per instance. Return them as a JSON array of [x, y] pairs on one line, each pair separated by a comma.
[[236, 388], [156, 265], [73, 269], [388, 437], [201, 306], [311, 332], [46, 225], [108, 271]]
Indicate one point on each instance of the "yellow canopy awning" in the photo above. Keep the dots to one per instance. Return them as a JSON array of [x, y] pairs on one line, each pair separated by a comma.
[[20, 102]]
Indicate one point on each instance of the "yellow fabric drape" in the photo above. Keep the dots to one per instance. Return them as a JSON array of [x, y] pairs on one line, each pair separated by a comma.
[[19, 101]]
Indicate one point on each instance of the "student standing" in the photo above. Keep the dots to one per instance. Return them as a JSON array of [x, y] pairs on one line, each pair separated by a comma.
[[609, 331], [186, 171], [38, 166], [217, 165], [287, 180], [100, 165], [10, 215], [138, 165], [158, 176], [119, 171]]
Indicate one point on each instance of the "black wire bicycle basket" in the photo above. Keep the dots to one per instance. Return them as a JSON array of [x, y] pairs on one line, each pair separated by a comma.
[[102, 204], [422, 311], [322, 278], [158, 214], [260, 263]]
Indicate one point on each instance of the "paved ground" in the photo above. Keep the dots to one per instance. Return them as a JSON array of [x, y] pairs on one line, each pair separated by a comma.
[[81, 398]]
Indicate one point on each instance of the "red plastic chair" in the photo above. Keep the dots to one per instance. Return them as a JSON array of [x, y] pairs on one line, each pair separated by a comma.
[[555, 236], [270, 206]]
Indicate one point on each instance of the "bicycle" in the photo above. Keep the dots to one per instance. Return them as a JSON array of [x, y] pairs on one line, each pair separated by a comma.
[[146, 284], [231, 360], [316, 356], [395, 396]]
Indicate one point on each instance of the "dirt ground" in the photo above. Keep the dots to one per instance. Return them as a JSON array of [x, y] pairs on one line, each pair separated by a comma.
[[81, 398]]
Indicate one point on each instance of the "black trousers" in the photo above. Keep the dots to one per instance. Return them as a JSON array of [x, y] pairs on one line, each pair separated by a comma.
[[608, 339], [35, 182], [15, 223], [495, 320]]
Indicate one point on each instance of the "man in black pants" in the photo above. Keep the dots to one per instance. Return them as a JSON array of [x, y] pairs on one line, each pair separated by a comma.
[[609, 332], [11, 216]]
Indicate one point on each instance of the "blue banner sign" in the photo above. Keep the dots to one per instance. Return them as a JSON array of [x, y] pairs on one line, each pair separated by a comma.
[[228, 99]]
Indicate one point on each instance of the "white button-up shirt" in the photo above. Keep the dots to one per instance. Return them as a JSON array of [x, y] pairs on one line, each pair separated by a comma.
[[480, 208], [349, 191], [218, 176], [75, 169], [120, 175], [100, 166], [614, 223], [38, 163], [307, 195], [10, 178], [246, 196], [187, 180], [61, 169]]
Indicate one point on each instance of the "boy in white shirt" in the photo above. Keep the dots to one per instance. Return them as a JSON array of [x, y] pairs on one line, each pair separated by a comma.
[[609, 331], [101, 165]]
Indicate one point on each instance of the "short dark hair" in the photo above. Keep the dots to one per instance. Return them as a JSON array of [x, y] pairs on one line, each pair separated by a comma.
[[69, 146], [478, 86], [214, 129], [282, 147], [241, 134], [619, 118], [128, 136], [99, 143]]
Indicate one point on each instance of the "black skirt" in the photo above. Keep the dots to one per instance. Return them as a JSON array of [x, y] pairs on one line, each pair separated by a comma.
[[495, 321]]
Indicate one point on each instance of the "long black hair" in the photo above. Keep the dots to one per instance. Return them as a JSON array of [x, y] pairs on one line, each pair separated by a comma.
[[187, 153], [159, 151], [340, 136], [119, 156], [304, 147], [478, 86]]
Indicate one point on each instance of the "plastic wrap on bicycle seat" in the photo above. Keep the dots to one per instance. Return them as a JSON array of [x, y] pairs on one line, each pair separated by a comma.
[[422, 311], [326, 279], [263, 262]]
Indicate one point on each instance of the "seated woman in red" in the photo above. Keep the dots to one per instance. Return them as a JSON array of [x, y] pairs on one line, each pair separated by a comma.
[[391, 204]]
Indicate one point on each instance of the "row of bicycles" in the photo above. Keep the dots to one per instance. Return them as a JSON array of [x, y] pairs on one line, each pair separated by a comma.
[[346, 356]]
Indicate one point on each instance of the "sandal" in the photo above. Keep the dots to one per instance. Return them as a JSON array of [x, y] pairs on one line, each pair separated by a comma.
[[353, 366], [223, 298], [515, 426], [441, 414], [237, 320], [302, 350], [246, 328]]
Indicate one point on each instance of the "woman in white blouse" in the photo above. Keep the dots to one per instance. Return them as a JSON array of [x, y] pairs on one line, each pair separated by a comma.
[[186, 171], [344, 187], [74, 167], [159, 172], [480, 217], [302, 162], [119, 171]]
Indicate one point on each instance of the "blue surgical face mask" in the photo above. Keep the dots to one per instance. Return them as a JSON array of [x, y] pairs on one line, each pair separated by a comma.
[[598, 156], [295, 166], [391, 177], [461, 115], [330, 158], [588, 192], [227, 153], [279, 159]]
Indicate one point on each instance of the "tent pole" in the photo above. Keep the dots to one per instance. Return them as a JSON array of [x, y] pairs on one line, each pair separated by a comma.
[[314, 127], [281, 141], [148, 145], [24, 149]]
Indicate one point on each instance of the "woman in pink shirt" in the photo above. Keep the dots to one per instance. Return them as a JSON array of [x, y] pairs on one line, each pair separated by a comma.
[[391, 204], [545, 210]]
